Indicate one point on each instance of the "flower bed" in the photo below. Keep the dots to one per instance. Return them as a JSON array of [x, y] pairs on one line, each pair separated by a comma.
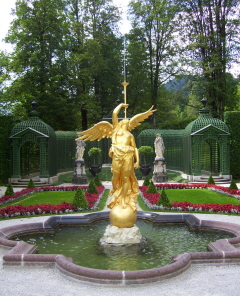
[[150, 199], [20, 210]]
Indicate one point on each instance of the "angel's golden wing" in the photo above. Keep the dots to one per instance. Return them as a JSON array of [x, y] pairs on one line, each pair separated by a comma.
[[100, 130], [135, 120]]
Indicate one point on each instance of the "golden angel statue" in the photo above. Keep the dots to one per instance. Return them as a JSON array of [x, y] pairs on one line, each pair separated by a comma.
[[123, 153]]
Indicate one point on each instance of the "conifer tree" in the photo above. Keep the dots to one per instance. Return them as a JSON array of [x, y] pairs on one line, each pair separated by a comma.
[[92, 187], [146, 181], [233, 185], [79, 200], [31, 184], [9, 190], [151, 188], [210, 180], [164, 200], [97, 181]]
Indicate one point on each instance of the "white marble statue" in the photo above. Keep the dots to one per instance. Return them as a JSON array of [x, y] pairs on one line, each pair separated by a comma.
[[159, 146], [80, 149]]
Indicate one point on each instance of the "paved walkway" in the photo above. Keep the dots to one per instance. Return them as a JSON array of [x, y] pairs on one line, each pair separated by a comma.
[[198, 280]]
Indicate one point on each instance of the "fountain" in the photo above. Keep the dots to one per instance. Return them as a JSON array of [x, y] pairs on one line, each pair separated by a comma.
[[23, 254]]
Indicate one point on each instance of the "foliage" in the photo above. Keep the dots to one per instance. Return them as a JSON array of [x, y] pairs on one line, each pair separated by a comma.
[[146, 182], [97, 181], [210, 30], [9, 190], [152, 48], [151, 188], [211, 180], [233, 185], [232, 120], [145, 150], [164, 200], [92, 187], [79, 200], [6, 125], [94, 152], [31, 184]]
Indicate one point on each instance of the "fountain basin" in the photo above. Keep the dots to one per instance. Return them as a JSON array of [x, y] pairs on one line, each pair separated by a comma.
[[22, 254]]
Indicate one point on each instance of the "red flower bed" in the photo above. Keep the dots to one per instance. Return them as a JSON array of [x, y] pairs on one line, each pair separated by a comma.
[[151, 199], [20, 210]]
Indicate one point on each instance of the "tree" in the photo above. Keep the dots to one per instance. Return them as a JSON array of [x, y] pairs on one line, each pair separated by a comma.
[[38, 60], [211, 29], [154, 26]]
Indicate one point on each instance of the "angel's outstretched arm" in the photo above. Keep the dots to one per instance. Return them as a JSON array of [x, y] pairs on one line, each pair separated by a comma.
[[115, 113]]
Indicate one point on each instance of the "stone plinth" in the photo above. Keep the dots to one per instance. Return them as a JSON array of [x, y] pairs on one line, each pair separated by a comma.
[[121, 236], [160, 172], [79, 175]]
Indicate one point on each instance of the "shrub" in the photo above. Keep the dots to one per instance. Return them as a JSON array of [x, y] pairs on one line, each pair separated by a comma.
[[164, 200], [94, 152], [145, 150], [79, 200], [210, 180], [151, 188], [146, 181], [92, 187], [9, 190], [97, 181], [31, 184], [233, 185]]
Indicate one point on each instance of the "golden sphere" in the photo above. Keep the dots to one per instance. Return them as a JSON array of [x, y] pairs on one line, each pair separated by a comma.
[[122, 217]]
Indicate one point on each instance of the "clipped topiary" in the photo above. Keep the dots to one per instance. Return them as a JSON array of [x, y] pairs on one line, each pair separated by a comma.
[[151, 188], [92, 187], [97, 181], [233, 185], [210, 180], [164, 200], [9, 190], [79, 200], [146, 181], [31, 184]]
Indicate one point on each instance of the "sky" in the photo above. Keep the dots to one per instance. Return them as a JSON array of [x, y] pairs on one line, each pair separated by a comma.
[[6, 18]]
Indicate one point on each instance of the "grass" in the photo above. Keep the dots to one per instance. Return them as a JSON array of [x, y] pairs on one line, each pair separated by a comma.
[[199, 196]]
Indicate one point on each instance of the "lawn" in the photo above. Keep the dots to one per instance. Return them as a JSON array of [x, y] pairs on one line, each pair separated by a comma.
[[199, 196], [46, 197]]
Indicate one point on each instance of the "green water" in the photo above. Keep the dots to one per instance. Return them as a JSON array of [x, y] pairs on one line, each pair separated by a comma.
[[164, 241]]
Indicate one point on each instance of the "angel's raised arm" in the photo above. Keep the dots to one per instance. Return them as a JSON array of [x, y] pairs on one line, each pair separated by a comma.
[[99, 131], [115, 113]]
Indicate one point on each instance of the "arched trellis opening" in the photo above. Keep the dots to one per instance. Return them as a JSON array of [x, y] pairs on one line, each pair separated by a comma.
[[210, 157], [29, 159]]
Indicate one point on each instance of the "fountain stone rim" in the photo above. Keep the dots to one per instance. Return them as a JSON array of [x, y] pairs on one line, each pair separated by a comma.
[[22, 254]]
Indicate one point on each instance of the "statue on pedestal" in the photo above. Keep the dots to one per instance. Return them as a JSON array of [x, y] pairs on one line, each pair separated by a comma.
[[160, 172], [79, 175]]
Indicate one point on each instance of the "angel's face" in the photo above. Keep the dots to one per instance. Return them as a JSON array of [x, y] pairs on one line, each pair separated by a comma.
[[125, 124]]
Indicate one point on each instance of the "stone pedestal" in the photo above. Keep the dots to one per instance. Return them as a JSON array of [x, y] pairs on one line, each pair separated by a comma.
[[160, 172], [79, 175], [121, 236]]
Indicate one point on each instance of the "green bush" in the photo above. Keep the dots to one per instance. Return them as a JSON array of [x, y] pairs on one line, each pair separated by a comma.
[[232, 120], [164, 200], [9, 190], [31, 184], [210, 180], [233, 185], [94, 152], [146, 181], [145, 150], [79, 200], [92, 187], [151, 188], [97, 181]]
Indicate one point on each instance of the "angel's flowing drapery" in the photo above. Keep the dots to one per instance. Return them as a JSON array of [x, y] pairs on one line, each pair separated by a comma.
[[123, 162]]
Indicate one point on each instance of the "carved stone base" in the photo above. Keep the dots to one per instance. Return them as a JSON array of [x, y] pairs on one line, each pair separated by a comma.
[[121, 236], [79, 175], [159, 173], [159, 178]]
